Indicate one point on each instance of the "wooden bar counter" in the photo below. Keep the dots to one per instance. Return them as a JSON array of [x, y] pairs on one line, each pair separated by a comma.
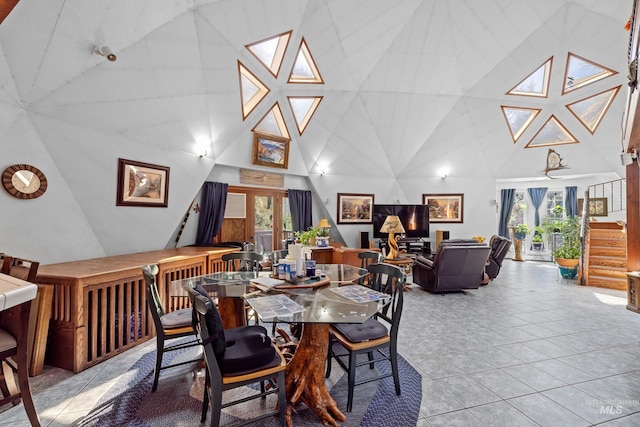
[[99, 305]]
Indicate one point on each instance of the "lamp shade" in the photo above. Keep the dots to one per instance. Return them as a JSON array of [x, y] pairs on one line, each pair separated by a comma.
[[392, 224], [324, 223]]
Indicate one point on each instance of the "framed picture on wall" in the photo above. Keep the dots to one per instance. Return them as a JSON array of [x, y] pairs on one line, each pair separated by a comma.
[[445, 207], [597, 206], [271, 151], [355, 208], [142, 184]]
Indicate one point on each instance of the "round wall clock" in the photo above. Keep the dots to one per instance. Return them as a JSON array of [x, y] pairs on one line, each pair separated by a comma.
[[24, 181]]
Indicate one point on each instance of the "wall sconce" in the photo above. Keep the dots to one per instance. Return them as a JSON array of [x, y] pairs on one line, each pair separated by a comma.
[[202, 147], [106, 52], [443, 173]]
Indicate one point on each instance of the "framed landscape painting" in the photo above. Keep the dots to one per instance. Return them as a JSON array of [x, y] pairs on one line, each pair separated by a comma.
[[142, 184], [355, 208], [271, 151], [445, 207]]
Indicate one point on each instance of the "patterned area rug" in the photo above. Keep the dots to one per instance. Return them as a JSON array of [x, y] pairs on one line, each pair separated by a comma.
[[178, 400]]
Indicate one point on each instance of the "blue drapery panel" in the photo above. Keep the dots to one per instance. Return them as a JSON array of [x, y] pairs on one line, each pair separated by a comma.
[[506, 205], [571, 201], [537, 196], [300, 205], [212, 206]]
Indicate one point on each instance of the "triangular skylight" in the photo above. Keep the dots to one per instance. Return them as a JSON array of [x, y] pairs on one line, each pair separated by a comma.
[[518, 119], [590, 111], [273, 123], [304, 68], [303, 108], [551, 133], [536, 83], [252, 90], [270, 52], [580, 72]]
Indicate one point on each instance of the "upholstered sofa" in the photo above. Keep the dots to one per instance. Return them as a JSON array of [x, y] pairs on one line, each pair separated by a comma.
[[456, 266], [499, 248]]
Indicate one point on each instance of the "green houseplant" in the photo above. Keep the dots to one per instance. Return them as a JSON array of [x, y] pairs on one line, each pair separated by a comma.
[[567, 256], [520, 231]]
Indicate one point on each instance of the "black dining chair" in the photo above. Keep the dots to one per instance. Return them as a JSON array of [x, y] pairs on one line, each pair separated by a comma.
[[376, 334], [175, 324], [366, 258], [242, 261], [234, 360]]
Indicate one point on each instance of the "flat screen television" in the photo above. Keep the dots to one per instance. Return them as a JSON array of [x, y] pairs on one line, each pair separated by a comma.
[[414, 218]]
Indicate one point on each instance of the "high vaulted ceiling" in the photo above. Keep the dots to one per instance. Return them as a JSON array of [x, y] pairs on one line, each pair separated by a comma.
[[410, 85]]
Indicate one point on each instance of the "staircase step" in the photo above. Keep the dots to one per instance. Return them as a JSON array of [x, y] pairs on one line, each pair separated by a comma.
[[608, 243], [607, 261], [607, 282], [618, 273], [608, 251], [606, 234]]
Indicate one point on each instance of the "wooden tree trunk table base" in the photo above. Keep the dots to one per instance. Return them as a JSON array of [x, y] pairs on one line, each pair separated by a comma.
[[305, 377]]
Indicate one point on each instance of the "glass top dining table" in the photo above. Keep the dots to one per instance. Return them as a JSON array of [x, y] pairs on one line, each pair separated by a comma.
[[298, 302]]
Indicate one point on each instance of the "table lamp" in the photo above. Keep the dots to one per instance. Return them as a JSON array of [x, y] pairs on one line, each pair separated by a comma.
[[392, 225], [324, 223]]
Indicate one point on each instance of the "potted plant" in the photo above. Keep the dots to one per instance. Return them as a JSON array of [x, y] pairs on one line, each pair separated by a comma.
[[309, 237], [567, 256], [322, 237], [520, 231], [536, 241]]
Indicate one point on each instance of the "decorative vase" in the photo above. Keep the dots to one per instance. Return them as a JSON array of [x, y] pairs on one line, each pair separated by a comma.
[[521, 236], [322, 242]]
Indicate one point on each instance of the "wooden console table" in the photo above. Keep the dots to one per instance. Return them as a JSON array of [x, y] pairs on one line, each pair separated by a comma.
[[99, 305]]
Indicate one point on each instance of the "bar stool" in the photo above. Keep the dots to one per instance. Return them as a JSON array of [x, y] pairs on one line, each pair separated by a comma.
[[13, 358]]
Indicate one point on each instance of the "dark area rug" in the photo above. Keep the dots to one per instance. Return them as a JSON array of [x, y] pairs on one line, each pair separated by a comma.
[[178, 400]]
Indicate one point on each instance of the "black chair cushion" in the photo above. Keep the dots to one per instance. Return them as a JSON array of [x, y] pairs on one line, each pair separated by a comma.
[[371, 329], [234, 334], [249, 353], [214, 325]]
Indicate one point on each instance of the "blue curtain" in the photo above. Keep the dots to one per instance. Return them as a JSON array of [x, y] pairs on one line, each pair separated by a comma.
[[506, 205], [537, 196], [212, 206], [300, 205], [571, 201]]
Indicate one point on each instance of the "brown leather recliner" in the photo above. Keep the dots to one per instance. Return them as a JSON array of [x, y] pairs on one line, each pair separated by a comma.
[[499, 247], [454, 268]]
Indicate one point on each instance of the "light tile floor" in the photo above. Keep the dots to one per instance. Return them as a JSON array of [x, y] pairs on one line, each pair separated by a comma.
[[529, 349]]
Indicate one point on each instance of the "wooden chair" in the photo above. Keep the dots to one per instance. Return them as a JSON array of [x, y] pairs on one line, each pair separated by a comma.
[[242, 261], [21, 268], [372, 336], [13, 358], [245, 359], [176, 324]]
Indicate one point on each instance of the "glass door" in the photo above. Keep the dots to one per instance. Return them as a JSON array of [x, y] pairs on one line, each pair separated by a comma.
[[263, 223]]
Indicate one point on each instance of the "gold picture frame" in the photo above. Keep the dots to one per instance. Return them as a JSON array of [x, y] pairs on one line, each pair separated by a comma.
[[598, 206], [271, 151], [445, 207], [142, 184], [355, 208]]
